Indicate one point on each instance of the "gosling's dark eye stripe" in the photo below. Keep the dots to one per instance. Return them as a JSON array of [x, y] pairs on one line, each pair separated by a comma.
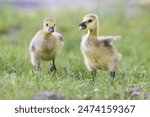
[[46, 24], [89, 21]]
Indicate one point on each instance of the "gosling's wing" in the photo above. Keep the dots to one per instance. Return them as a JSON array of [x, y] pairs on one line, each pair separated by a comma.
[[60, 42], [31, 47], [34, 41], [58, 36], [61, 38], [108, 39]]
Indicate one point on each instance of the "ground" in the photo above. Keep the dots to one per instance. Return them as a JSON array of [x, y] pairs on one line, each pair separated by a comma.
[[18, 80]]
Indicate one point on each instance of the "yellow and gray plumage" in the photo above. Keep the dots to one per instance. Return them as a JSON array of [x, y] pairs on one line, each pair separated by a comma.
[[98, 51], [46, 45]]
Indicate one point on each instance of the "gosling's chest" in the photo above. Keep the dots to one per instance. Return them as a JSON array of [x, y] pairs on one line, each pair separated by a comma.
[[47, 43], [47, 49], [89, 46]]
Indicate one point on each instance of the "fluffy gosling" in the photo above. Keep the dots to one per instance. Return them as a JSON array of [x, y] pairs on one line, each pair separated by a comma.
[[98, 52], [46, 45]]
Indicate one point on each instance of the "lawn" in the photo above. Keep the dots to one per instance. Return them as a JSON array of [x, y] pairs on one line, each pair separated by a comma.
[[18, 80]]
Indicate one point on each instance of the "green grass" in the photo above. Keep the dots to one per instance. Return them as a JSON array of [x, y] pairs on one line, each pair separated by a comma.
[[18, 80]]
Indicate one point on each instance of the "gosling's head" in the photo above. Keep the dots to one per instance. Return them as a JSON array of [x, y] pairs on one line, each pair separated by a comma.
[[89, 21], [49, 25]]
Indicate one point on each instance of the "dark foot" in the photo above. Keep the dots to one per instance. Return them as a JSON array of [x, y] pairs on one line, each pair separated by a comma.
[[53, 67], [112, 74], [93, 74]]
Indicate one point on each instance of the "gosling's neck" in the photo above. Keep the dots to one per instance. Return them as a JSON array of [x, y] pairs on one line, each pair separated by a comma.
[[93, 33]]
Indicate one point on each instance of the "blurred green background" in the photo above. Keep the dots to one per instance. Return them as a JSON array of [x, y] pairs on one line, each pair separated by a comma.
[[21, 19]]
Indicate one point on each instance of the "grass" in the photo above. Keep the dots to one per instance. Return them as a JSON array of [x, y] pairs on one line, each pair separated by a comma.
[[18, 80]]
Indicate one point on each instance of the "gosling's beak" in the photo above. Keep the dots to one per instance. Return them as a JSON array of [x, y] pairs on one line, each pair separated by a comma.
[[51, 29], [82, 25]]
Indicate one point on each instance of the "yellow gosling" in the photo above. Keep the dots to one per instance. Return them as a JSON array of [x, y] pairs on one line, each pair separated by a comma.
[[98, 51], [46, 45]]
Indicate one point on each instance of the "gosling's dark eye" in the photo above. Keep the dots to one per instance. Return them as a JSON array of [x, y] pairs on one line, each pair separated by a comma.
[[46, 24], [89, 21]]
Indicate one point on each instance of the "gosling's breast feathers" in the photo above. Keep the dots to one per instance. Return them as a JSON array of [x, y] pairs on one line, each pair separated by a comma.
[[47, 46]]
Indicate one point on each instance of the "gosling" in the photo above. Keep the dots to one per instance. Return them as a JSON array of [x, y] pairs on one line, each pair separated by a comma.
[[46, 45], [98, 52]]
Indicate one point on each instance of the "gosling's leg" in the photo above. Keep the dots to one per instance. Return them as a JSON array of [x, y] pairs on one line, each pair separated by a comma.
[[53, 67], [112, 74], [93, 74], [112, 68], [37, 67], [36, 62]]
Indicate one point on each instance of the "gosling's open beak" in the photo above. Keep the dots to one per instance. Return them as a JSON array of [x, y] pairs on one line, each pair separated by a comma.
[[82, 25], [51, 29]]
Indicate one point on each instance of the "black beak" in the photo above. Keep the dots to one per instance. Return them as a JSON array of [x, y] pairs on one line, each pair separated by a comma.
[[82, 25], [51, 29]]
